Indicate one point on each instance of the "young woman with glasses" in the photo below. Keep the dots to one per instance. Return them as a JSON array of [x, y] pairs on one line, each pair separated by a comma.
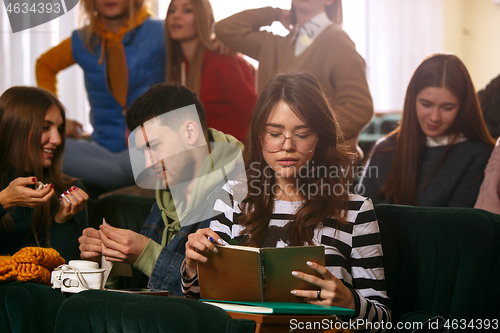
[[297, 196]]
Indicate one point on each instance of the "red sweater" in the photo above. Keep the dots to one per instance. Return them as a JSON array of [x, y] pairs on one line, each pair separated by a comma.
[[228, 93]]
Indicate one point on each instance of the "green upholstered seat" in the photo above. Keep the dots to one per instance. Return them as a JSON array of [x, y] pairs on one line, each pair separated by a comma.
[[441, 261], [126, 212], [108, 311], [27, 307], [123, 211], [377, 129]]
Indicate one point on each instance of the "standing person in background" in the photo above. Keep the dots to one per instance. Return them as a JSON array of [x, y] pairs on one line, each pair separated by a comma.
[[318, 45], [122, 53], [437, 155], [224, 84], [32, 135]]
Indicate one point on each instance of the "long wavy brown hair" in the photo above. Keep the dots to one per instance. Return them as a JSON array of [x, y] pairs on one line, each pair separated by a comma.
[[305, 97], [22, 118], [89, 16], [439, 70], [204, 20]]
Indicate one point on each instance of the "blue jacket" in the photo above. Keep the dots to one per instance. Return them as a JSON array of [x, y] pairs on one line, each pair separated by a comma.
[[166, 273], [145, 53]]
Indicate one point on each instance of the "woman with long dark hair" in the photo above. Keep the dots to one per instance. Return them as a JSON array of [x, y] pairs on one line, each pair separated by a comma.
[[32, 124], [298, 196], [438, 153]]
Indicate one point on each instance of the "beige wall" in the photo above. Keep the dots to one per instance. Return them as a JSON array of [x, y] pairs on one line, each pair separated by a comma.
[[472, 32]]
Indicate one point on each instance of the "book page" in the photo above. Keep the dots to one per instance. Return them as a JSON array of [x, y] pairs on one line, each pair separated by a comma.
[[240, 307], [242, 248]]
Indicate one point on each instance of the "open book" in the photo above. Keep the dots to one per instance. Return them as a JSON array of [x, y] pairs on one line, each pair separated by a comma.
[[250, 274]]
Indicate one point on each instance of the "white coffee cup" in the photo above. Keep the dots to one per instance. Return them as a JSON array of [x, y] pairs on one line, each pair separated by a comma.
[[78, 275]]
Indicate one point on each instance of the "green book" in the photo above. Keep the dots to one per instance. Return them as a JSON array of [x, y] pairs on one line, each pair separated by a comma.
[[280, 308], [250, 274]]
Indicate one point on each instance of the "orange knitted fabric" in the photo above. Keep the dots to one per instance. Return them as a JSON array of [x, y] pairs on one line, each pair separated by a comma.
[[6, 269], [30, 264]]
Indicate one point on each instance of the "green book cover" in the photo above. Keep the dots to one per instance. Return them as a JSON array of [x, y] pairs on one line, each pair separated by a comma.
[[280, 308], [249, 274]]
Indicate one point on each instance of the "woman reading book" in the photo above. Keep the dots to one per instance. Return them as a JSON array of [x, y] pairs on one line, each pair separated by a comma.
[[298, 196]]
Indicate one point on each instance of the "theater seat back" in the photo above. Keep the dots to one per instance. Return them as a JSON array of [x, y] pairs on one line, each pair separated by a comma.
[[441, 261]]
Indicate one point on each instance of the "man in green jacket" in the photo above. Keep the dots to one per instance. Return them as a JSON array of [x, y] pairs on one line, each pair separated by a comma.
[[190, 164]]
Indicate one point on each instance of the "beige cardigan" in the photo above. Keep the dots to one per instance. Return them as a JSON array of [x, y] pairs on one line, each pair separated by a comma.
[[489, 194], [332, 59]]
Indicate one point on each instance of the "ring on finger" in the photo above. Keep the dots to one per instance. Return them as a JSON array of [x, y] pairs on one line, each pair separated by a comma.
[[318, 294]]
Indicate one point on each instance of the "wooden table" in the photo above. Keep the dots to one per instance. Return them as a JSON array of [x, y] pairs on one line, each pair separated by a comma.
[[274, 323]]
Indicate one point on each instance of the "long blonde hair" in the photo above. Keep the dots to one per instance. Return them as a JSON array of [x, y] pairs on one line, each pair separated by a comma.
[[88, 18], [204, 20]]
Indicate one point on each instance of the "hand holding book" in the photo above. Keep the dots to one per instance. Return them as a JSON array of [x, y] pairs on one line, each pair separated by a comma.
[[333, 292], [230, 275], [198, 244]]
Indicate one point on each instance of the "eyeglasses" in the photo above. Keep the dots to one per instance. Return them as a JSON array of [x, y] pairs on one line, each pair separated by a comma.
[[303, 142]]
